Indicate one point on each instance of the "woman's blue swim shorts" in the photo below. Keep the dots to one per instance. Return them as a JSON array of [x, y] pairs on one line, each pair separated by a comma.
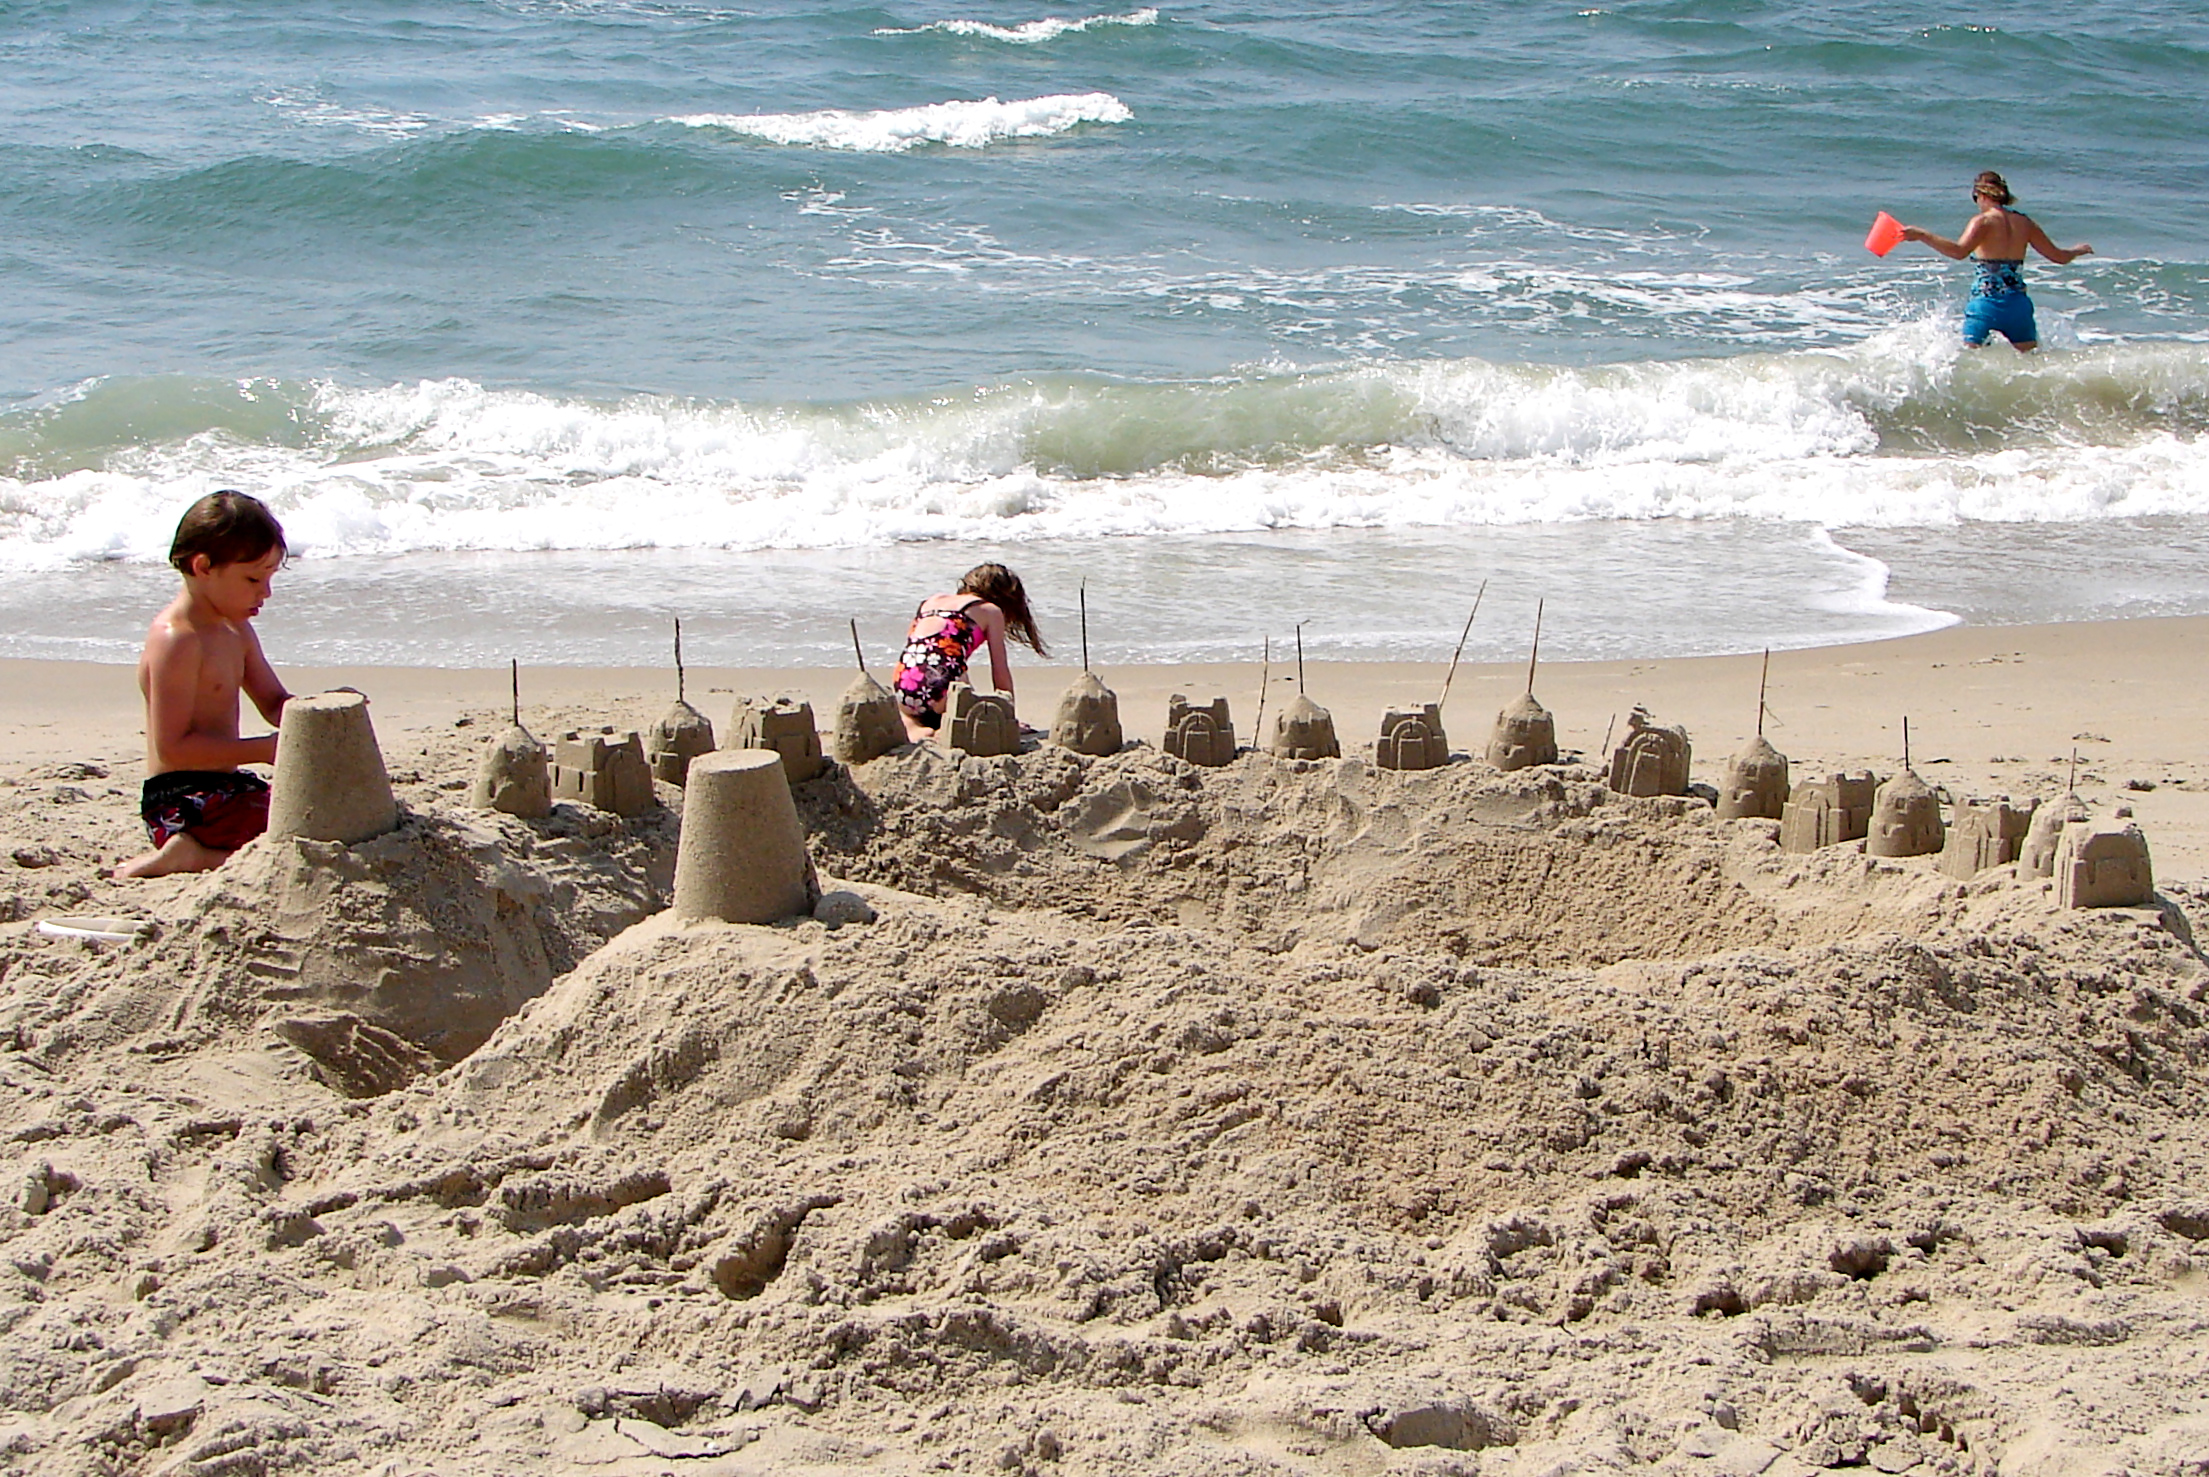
[[2009, 314]]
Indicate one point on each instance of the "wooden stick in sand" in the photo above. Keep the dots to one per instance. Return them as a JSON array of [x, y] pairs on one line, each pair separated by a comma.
[[1300, 625], [2071, 785], [1085, 625], [1265, 678], [1450, 675], [1762, 683], [678, 659], [1535, 654], [515, 663], [1599, 753], [1905, 742], [857, 654]]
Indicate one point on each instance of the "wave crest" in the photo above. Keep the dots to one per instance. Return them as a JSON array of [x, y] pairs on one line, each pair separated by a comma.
[[1027, 33], [959, 125]]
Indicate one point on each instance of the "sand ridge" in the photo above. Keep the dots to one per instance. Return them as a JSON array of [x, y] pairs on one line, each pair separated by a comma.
[[1295, 1116]]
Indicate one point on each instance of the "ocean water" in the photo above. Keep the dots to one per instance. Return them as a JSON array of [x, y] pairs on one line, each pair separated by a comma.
[[540, 322]]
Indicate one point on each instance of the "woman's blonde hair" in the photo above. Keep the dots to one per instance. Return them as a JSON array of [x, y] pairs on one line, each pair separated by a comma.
[[1991, 186]]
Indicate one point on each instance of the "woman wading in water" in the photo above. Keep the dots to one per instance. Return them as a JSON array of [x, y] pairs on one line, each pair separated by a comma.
[[1996, 239]]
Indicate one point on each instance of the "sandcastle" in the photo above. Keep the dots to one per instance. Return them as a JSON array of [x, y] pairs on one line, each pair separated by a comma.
[[1088, 720], [1204, 736], [1756, 783], [600, 770], [330, 781], [1304, 730], [1827, 812], [867, 722], [682, 734], [514, 777], [980, 723], [1906, 818], [1652, 760], [1412, 739], [2037, 858], [1983, 834], [1525, 735], [783, 724], [741, 857], [2103, 864]]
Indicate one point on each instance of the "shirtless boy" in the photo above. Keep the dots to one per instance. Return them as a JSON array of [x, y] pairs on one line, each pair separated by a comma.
[[200, 653]]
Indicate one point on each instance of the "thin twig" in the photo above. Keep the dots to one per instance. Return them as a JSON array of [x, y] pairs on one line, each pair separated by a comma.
[[1265, 678], [1536, 653], [515, 663], [859, 655], [679, 695], [1085, 625], [1300, 625], [1607, 736], [1450, 675], [1762, 683]]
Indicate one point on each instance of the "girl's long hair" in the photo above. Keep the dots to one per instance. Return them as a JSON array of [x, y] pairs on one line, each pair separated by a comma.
[[1002, 588]]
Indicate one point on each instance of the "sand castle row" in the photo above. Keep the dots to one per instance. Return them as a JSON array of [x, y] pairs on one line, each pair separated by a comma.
[[742, 855]]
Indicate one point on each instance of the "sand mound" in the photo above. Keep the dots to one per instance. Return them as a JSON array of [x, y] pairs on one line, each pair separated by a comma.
[[1286, 1118], [378, 961]]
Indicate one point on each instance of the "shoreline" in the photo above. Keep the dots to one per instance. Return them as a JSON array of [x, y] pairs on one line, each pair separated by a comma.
[[1992, 709]]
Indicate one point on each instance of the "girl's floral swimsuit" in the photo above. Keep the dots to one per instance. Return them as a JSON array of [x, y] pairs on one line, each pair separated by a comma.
[[931, 663]]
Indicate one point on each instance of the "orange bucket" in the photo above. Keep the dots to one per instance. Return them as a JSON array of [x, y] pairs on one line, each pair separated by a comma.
[[1886, 234]]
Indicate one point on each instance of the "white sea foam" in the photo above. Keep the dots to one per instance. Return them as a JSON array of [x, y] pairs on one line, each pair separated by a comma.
[[1028, 33], [1820, 438], [957, 124]]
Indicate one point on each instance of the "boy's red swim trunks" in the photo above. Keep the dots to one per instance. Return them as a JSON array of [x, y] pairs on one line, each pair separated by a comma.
[[221, 809]]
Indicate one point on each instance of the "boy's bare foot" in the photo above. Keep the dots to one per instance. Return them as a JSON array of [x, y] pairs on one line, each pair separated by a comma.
[[180, 853]]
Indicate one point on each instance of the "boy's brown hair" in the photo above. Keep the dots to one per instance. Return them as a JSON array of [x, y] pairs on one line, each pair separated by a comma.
[[229, 528]]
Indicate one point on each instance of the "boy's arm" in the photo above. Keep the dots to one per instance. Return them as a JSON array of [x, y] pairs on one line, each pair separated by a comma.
[[261, 682], [173, 660]]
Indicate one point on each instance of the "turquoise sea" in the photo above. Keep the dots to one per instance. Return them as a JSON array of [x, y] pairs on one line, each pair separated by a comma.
[[541, 321]]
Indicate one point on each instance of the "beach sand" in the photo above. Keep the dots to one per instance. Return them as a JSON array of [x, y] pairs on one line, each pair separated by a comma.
[[1287, 1117]]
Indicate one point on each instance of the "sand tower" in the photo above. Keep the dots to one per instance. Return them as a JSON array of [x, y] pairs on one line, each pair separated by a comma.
[[784, 724], [1088, 719], [1304, 730], [1653, 759], [330, 779], [1906, 818], [1756, 783], [514, 777], [867, 722], [741, 857], [682, 734], [1525, 735], [980, 723], [1983, 834], [1412, 739], [2037, 858], [1827, 812], [600, 770], [1203, 735], [2103, 864]]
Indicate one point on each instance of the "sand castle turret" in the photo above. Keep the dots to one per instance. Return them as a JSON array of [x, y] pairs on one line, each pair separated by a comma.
[[1906, 818], [1203, 735], [1756, 783], [681, 735], [1983, 834], [330, 780], [514, 776], [2103, 864], [1304, 730], [1826, 812], [1525, 735], [1088, 720], [784, 724], [1653, 759], [980, 723], [600, 770], [867, 722], [1412, 739], [741, 857], [2037, 858]]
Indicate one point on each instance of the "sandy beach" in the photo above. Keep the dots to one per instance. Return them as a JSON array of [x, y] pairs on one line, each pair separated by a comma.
[[1294, 1116]]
